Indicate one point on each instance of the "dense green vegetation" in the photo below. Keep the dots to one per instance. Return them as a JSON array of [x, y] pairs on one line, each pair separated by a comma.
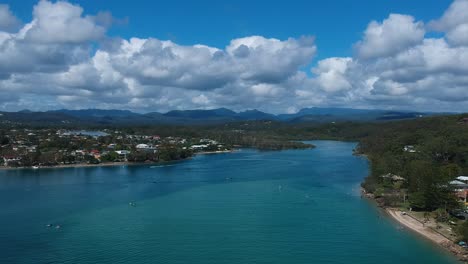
[[440, 154]]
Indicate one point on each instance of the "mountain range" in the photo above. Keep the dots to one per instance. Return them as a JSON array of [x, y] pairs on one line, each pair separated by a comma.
[[213, 116]]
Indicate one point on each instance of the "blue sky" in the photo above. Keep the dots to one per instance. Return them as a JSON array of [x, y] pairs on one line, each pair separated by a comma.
[[276, 56], [336, 24]]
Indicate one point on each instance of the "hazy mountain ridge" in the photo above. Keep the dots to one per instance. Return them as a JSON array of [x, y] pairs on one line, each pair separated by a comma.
[[212, 116]]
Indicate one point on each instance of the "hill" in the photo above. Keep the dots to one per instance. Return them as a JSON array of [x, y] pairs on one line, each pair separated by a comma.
[[200, 117]]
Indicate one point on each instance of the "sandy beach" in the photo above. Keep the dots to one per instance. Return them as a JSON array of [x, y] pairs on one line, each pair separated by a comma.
[[416, 226]]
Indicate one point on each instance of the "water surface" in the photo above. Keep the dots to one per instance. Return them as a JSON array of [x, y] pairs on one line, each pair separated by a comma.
[[298, 206]]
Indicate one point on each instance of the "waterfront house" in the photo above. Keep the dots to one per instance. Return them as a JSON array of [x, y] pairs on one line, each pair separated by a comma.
[[142, 146], [460, 187], [8, 160], [123, 154], [198, 147], [95, 153]]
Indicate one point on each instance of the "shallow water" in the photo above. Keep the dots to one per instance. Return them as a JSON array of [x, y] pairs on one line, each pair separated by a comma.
[[298, 206]]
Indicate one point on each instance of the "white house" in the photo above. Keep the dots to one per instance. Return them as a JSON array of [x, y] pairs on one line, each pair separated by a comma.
[[8, 159], [122, 152], [463, 178], [409, 148], [199, 147], [142, 146]]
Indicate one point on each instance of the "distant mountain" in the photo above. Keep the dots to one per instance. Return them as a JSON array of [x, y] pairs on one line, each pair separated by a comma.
[[316, 114], [96, 113], [202, 114], [255, 115], [39, 118], [199, 117]]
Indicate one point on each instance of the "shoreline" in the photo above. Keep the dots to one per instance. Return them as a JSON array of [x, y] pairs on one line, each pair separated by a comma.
[[415, 226], [82, 165], [214, 152], [109, 164]]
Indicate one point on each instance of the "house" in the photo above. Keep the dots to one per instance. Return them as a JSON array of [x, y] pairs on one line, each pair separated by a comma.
[[31, 148], [142, 146], [10, 159], [409, 148], [460, 186], [95, 153], [209, 141], [198, 147], [393, 177], [79, 152], [123, 154], [463, 179]]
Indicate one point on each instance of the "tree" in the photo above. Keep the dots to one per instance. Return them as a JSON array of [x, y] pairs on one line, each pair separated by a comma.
[[110, 157]]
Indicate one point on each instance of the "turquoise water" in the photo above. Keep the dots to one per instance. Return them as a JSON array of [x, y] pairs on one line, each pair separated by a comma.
[[300, 206]]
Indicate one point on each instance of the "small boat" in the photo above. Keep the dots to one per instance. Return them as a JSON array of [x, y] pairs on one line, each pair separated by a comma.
[[49, 225], [57, 227]]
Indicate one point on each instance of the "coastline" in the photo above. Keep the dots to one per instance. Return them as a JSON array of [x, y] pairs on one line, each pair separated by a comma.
[[414, 225], [214, 152], [82, 165], [108, 164]]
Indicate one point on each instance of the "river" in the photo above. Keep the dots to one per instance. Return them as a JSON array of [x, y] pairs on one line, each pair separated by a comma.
[[294, 206]]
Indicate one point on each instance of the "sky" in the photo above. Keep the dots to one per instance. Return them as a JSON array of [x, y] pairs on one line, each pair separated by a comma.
[[275, 56]]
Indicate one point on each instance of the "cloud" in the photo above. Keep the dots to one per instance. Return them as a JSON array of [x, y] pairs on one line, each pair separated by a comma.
[[331, 74], [8, 21], [58, 37], [200, 67], [454, 22], [61, 22], [394, 34], [64, 58]]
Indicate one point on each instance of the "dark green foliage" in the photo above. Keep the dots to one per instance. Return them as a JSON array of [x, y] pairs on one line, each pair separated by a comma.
[[110, 157], [440, 156]]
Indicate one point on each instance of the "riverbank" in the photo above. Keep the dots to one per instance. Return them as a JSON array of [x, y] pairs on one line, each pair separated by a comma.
[[107, 164], [427, 231], [83, 165], [214, 152]]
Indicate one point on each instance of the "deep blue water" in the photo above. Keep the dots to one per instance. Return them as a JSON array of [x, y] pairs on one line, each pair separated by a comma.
[[298, 206]]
